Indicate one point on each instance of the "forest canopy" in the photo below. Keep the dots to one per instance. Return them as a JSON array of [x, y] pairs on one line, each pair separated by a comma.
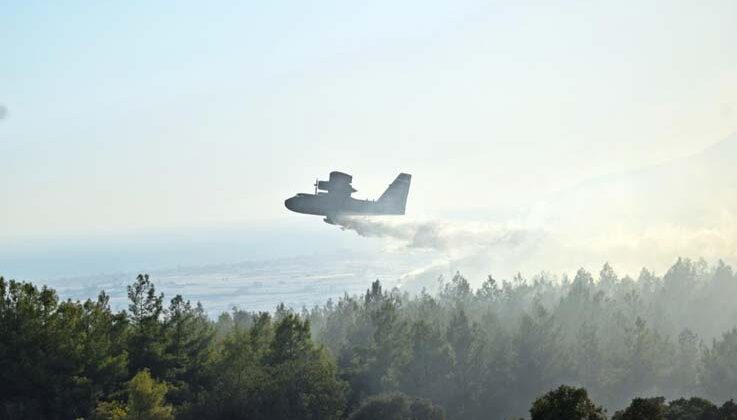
[[601, 344]]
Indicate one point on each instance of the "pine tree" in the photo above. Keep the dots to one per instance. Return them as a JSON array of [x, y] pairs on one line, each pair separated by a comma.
[[146, 399]]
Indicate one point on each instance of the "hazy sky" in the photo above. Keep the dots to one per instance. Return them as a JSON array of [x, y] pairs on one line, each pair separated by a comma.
[[136, 115]]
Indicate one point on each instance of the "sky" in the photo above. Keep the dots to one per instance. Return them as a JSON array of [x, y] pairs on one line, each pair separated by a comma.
[[126, 117]]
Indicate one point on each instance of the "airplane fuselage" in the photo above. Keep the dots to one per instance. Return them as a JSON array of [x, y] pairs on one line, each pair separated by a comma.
[[323, 204]]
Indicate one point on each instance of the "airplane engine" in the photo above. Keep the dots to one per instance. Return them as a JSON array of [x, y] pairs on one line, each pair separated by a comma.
[[323, 185], [339, 182]]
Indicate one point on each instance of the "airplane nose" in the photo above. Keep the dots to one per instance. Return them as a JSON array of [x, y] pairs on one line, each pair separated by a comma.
[[289, 203]]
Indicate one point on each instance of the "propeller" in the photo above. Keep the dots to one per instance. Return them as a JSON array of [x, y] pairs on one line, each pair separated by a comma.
[[316, 181]]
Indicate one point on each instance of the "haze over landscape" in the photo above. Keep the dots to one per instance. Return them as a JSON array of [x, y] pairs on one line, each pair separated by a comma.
[[566, 250], [541, 138], [642, 218]]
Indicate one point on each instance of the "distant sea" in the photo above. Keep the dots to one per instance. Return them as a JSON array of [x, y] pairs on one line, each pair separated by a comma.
[[250, 268]]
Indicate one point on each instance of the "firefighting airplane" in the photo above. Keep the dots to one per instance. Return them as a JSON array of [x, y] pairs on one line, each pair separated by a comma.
[[333, 199]]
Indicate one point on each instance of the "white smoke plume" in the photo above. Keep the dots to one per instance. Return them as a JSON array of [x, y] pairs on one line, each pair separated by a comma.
[[474, 247], [645, 218], [453, 238], [478, 249]]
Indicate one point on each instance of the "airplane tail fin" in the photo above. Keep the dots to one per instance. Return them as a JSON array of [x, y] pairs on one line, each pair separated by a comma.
[[394, 199]]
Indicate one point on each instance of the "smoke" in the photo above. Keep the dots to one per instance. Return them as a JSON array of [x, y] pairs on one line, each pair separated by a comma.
[[478, 249], [474, 247], [453, 238], [662, 243], [645, 218]]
